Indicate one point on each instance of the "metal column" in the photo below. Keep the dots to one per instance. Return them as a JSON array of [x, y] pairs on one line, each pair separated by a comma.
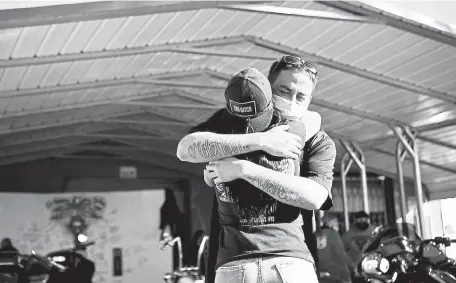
[[353, 151], [403, 134], [400, 155], [344, 168]]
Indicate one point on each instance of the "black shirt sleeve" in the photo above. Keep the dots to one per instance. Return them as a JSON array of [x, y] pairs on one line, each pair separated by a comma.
[[318, 163]]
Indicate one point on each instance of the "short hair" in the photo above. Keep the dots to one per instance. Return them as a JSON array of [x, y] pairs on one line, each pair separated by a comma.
[[361, 214], [277, 67]]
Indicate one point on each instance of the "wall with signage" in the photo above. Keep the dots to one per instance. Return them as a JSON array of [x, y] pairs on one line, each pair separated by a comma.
[[126, 221]]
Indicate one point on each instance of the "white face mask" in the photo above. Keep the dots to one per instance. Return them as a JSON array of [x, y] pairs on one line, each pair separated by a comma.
[[291, 110]]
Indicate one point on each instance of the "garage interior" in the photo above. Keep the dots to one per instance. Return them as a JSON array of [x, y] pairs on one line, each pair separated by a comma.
[[94, 97]]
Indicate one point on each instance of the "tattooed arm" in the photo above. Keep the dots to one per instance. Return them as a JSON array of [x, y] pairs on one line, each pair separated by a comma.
[[289, 189], [311, 191], [205, 146]]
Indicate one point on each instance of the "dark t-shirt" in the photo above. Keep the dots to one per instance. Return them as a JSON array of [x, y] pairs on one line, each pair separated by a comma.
[[332, 255], [252, 222]]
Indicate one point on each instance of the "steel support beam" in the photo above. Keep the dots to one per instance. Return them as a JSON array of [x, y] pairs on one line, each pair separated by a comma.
[[349, 69], [27, 157], [188, 47], [180, 84], [67, 13], [141, 122], [70, 107], [97, 84], [169, 105], [125, 137], [400, 156], [404, 134], [67, 123], [409, 22], [427, 163], [108, 148], [436, 126], [344, 168], [357, 157], [295, 12]]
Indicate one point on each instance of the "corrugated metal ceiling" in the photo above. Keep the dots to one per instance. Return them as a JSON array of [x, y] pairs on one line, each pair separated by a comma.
[[143, 74]]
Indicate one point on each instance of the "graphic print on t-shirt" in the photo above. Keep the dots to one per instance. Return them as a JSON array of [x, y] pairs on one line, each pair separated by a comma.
[[253, 206]]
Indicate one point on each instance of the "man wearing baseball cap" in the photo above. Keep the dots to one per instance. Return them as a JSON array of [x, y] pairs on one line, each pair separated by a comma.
[[259, 194]]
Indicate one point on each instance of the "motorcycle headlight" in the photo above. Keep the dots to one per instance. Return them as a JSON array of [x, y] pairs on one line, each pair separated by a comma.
[[384, 265], [185, 280], [58, 258], [369, 265]]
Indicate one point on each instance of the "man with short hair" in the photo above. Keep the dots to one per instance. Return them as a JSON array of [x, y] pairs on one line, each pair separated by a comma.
[[291, 79], [358, 235]]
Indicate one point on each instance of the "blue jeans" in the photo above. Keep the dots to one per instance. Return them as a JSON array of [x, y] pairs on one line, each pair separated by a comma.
[[267, 270]]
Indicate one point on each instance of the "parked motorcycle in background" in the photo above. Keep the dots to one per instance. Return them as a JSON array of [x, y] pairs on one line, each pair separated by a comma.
[[67, 266], [184, 274], [394, 258]]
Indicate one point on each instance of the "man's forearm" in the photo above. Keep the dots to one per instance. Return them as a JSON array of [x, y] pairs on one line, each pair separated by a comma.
[[203, 147], [289, 189]]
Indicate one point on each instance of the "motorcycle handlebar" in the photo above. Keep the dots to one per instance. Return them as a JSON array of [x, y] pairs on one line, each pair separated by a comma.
[[438, 240], [171, 243], [201, 251], [49, 261]]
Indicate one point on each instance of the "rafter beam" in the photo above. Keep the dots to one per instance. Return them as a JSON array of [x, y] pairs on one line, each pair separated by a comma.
[[97, 84], [141, 122], [303, 13], [18, 150], [427, 163], [58, 14], [27, 157], [404, 20], [179, 84], [436, 126], [353, 70], [90, 134], [382, 151], [108, 148], [67, 123], [188, 47], [125, 137], [70, 107], [169, 105]]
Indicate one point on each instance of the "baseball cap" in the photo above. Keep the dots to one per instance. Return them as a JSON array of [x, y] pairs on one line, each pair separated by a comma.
[[249, 95]]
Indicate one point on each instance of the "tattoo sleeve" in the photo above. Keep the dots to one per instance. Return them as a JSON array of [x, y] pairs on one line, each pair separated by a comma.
[[285, 187], [209, 149], [277, 190]]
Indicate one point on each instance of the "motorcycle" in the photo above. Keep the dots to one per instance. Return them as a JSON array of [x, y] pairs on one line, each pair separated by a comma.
[[390, 257], [24, 268], [56, 267], [191, 274]]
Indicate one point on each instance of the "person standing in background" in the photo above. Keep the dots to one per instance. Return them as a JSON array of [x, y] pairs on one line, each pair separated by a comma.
[[332, 256], [357, 237], [172, 220]]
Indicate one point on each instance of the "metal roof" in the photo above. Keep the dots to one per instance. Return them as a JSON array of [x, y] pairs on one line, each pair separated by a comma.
[[142, 73]]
